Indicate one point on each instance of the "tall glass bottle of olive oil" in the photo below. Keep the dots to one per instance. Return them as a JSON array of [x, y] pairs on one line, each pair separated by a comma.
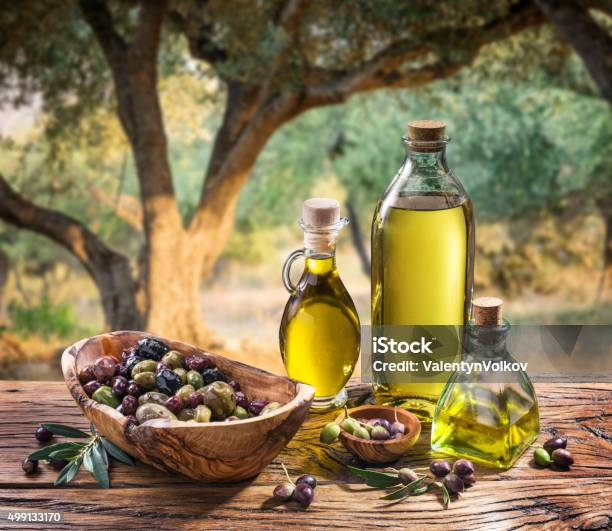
[[319, 332], [422, 255]]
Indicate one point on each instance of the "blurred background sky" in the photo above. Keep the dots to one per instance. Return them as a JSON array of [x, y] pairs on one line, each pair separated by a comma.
[[530, 140]]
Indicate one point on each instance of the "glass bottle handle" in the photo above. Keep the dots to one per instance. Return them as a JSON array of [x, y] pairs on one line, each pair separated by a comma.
[[290, 287]]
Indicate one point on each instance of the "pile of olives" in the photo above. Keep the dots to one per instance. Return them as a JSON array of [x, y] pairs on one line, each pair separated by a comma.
[[154, 382], [302, 491], [554, 451], [454, 477], [376, 429]]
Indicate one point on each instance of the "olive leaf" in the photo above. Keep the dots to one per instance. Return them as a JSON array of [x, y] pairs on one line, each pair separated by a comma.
[[375, 479], [94, 463], [407, 490], [419, 490], [45, 453], [116, 452], [66, 431], [445, 494], [68, 472], [67, 453]]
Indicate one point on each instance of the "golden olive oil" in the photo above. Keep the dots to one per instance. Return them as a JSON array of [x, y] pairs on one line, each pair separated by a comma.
[[421, 275], [319, 332], [490, 424]]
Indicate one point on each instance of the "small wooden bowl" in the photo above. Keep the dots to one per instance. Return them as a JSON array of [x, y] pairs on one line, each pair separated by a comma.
[[381, 451], [216, 451]]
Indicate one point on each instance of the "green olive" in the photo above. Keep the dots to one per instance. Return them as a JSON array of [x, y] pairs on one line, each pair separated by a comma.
[[362, 433], [146, 380], [349, 425], [186, 414], [195, 378], [220, 398], [153, 411], [184, 392], [541, 456], [105, 395], [182, 374], [153, 397], [240, 412], [173, 359], [202, 414], [330, 433], [270, 407], [144, 366]]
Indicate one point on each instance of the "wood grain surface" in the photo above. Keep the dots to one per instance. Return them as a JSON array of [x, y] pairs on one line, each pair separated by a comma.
[[143, 497]]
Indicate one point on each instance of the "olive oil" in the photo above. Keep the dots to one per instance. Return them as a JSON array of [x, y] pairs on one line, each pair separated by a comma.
[[422, 259], [422, 249], [486, 416], [473, 424], [320, 330], [319, 333]]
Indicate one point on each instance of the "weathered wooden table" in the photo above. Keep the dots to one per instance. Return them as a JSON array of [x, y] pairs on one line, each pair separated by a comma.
[[142, 497]]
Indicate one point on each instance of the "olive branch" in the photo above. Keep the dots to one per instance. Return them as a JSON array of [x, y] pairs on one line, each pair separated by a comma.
[[93, 454]]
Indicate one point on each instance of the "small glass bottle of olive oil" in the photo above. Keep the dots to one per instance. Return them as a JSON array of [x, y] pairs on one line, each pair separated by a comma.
[[487, 416], [422, 257], [319, 332]]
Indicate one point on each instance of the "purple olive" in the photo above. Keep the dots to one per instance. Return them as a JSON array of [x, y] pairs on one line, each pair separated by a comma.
[[284, 491], [29, 466], [242, 400], [562, 457], [58, 464], [234, 385], [453, 483], [309, 480], [397, 428], [105, 368], [91, 387], [43, 435], [232, 418], [86, 374], [303, 494], [174, 404], [256, 406], [130, 405], [119, 385], [127, 353], [131, 421], [133, 389], [554, 444], [122, 370], [440, 468], [463, 467], [468, 480], [195, 399], [197, 363]]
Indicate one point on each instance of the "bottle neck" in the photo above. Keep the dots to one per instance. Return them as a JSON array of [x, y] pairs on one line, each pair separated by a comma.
[[431, 160], [487, 342]]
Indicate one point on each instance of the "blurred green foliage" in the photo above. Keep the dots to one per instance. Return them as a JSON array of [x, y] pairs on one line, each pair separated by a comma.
[[45, 320]]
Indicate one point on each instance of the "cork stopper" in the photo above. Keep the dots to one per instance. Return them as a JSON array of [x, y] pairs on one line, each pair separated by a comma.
[[488, 311], [426, 130], [320, 212]]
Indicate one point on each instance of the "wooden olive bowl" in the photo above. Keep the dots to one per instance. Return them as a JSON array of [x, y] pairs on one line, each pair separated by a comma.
[[381, 451], [215, 451]]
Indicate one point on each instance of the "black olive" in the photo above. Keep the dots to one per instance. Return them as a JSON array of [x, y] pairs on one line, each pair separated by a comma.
[[131, 362], [151, 348], [168, 382], [213, 374]]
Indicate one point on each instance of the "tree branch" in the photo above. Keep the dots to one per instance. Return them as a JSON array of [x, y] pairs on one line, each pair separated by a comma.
[[385, 68], [592, 42], [68, 232]]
